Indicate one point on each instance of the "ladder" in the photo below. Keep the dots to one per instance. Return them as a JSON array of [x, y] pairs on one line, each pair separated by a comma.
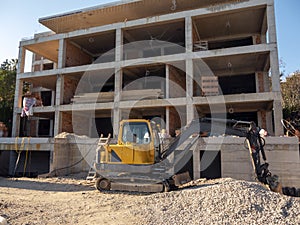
[[92, 172]]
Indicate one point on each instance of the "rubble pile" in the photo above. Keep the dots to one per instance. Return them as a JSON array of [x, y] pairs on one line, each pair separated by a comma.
[[222, 201]]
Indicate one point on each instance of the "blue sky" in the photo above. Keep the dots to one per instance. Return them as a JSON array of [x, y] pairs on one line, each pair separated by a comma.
[[19, 19]]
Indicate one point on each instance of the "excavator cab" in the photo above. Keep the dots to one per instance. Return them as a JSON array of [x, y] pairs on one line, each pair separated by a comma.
[[138, 144]]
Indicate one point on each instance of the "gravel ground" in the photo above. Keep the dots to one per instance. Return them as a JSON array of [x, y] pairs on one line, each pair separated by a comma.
[[25, 201], [223, 201]]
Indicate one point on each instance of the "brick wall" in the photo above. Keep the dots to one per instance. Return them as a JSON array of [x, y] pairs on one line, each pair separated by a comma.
[[70, 86], [75, 56]]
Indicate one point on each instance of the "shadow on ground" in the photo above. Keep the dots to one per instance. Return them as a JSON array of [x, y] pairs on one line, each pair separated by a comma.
[[44, 185]]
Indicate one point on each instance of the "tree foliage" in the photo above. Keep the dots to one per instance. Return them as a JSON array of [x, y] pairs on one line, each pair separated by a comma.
[[291, 93], [8, 72]]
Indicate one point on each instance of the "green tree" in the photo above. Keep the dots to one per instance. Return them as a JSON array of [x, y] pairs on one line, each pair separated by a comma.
[[291, 94], [8, 72]]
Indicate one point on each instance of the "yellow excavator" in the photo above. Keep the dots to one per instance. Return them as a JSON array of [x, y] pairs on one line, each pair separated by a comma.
[[139, 161]]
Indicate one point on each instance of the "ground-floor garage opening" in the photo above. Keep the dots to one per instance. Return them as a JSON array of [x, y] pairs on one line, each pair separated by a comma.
[[29, 163]]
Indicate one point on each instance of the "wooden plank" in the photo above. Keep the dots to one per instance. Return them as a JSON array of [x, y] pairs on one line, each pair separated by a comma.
[[125, 95], [139, 94]]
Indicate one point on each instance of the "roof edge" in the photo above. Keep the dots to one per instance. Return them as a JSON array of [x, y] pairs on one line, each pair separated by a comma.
[[102, 6]]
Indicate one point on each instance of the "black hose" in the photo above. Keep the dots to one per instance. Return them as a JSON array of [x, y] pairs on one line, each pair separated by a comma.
[[76, 163]]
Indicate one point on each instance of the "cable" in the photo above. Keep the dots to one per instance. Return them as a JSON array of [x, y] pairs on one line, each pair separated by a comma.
[[26, 157], [74, 164], [174, 5], [18, 152]]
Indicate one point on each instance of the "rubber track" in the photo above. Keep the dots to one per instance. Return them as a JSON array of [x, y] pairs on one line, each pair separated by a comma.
[[291, 191]]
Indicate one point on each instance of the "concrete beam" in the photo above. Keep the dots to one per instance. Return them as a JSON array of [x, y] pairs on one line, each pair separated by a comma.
[[86, 107], [44, 109], [238, 98], [158, 59], [69, 70], [22, 144], [153, 103], [252, 49]]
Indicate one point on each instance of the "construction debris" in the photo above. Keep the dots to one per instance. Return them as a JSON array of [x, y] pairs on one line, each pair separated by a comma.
[[222, 201]]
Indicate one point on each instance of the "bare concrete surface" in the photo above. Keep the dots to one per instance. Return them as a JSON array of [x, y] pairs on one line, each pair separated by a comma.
[[72, 200]]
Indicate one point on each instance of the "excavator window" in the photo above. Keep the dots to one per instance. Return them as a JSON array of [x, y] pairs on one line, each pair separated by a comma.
[[136, 132]]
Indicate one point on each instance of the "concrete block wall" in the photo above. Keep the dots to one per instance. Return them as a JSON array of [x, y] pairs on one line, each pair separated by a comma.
[[72, 154], [282, 154]]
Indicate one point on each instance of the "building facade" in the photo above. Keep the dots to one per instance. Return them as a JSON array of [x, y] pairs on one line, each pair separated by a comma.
[[171, 61], [167, 61]]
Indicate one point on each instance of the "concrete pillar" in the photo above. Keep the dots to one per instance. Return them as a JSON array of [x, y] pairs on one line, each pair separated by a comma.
[[59, 90], [168, 120], [52, 98], [261, 117], [264, 28], [257, 82], [41, 64], [277, 113], [51, 129], [59, 87], [119, 45], [57, 123], [196, 163], [189, 69], [267, 85], [260, 82], [167, 94], [188, 34], [118, 81], [61, 54], [274, 53], [189, 91], [58, 101], [21, 60], [18, 93], [117, 99], [274, 64], [17, 105], [269, 125], [16, 125]]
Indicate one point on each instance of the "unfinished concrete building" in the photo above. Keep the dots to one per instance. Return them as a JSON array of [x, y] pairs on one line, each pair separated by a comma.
[[236, 39], [98, 63]]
